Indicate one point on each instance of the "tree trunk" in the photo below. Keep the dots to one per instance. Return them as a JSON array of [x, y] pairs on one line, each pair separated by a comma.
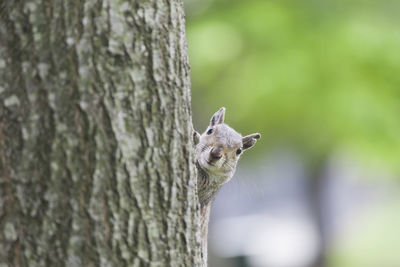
[[318, 207], [96, 154]]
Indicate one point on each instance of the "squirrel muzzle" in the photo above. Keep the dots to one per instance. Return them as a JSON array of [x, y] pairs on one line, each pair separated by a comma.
[[215, 154]]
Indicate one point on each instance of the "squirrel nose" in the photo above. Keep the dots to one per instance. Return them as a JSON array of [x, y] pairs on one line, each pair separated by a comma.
[[216, 153]]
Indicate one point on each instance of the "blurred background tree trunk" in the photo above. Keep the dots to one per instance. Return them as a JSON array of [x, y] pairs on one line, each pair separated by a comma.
[[318, 206], [96, 158]]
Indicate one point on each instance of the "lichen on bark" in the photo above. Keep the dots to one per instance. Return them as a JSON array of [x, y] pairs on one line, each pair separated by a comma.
[[96, 159]]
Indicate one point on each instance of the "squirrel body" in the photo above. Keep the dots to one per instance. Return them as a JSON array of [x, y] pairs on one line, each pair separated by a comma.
[[217, 152]]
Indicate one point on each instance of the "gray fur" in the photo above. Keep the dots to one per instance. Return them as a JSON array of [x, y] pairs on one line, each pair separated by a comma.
[[215, 169]]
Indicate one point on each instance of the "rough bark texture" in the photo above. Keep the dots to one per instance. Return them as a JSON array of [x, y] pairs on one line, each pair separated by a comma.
[[96, 157]]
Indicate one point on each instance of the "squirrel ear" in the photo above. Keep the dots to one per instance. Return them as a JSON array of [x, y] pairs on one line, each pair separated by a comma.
[[249, 140], [196, 137], [218, 117]]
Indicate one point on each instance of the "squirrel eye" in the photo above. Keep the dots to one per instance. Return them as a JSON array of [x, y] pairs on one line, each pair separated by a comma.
[[238, 151], [210, 131]]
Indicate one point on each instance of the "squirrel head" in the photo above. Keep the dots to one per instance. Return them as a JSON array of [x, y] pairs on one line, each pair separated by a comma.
[[219, 148]]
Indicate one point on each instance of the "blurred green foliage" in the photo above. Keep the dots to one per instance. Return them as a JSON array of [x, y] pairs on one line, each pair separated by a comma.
[[320, 76]]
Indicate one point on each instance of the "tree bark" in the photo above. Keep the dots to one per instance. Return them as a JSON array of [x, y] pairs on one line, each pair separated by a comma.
[[96, 154]]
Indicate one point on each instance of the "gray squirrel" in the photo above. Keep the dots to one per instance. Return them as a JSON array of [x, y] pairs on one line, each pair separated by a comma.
[[217, 152]]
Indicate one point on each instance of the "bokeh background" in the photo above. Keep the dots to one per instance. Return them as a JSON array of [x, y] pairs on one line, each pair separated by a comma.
[[320, 80]]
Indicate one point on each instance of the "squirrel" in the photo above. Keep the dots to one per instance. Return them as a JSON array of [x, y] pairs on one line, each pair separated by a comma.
[[217, 152]]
